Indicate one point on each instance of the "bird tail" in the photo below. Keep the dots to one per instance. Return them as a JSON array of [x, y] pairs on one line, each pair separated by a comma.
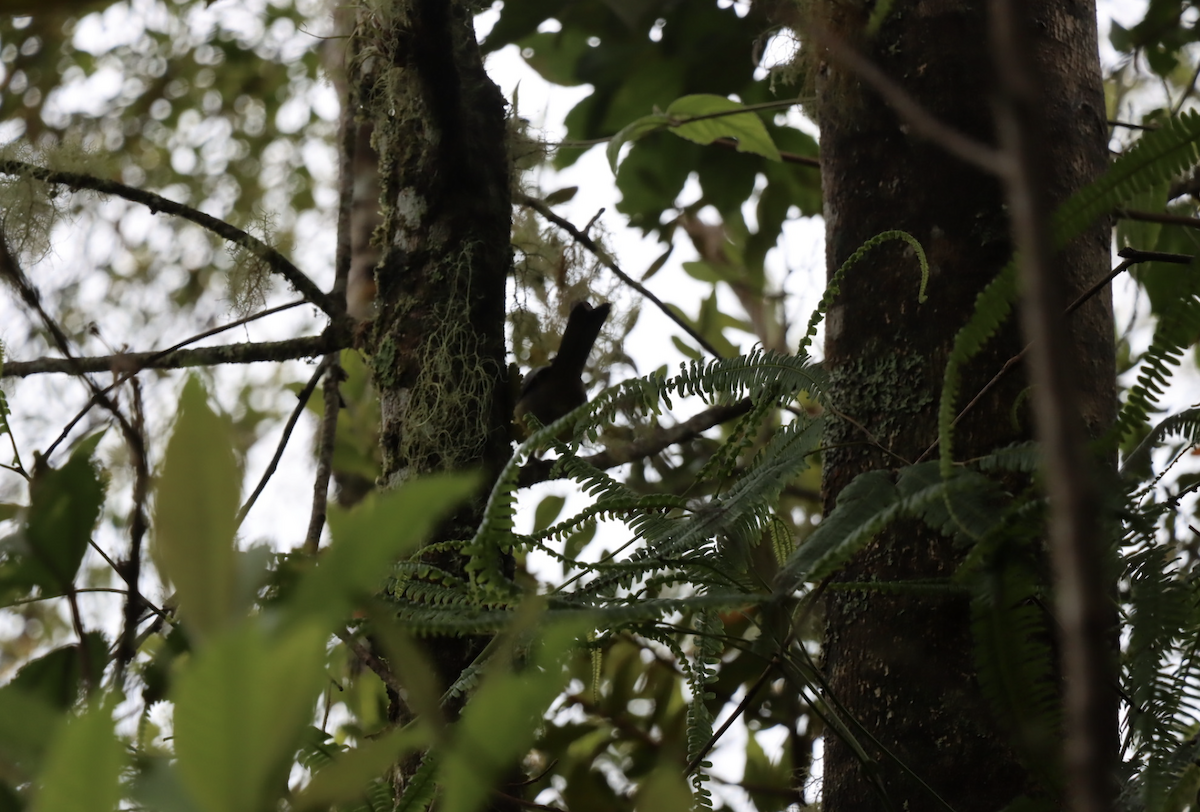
[[583, 328]]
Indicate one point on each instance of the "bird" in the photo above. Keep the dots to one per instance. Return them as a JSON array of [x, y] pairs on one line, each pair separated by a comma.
[[551, 391]]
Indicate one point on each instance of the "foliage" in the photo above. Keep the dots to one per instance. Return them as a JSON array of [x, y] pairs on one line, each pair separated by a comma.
[[599, 689]]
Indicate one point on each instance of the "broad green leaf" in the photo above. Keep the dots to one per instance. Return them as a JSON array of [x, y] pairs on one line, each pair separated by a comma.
[[665, 789], [500, 722], [83, 767], [547, 511], [370, 537], [195, 505], [64, 504], [747, 128], [344, 779], [56, 677], [242, 704], [632, 132], [27, 724]]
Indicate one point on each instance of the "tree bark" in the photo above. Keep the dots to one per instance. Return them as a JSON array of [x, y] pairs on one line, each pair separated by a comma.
[[437, 344], [902, 664]]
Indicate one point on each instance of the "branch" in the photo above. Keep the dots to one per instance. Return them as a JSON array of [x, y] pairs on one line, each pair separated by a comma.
[[156, 203], [1132, 257], [333, 403], [198, 337], [1157, 217], [537, 471], [301, 401], [246, 353], [1077, 536], [607, 261]]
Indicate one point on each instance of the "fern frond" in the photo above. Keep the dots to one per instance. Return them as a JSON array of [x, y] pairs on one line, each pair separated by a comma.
[[992, 308], [1159, 156], [832, 289]]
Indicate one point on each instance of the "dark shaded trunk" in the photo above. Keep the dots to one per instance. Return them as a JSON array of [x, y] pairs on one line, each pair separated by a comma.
[[902, 664], [437, 344]]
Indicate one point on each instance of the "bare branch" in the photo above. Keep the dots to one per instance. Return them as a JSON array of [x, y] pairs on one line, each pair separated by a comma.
[[246, 353], [537, 471], [301, 401], [1077, 534], [607, 261], [333, 403], [156, 203], [127, 376]]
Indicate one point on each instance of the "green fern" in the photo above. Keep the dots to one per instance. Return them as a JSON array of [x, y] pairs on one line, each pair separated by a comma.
[[1159, 156]]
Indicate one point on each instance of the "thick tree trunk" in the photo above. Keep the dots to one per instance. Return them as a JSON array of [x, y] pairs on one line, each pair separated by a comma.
[[437, 345], [902, 664]]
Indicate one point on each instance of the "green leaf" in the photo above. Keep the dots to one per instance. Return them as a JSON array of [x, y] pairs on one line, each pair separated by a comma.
[[56, 677], [665, 789], [344, 779], [747, 128], [27, 724], [63, 507], [499, 724], [83, 767], [195, 506], [371, 536], [9, 511], [242, 705], [632, 132], [547, 511]]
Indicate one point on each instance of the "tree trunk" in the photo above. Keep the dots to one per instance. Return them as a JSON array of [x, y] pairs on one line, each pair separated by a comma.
[[437, 344], [902, 664]]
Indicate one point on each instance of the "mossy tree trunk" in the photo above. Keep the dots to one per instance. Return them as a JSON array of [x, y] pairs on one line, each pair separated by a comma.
[[902, 664], [437, 344]]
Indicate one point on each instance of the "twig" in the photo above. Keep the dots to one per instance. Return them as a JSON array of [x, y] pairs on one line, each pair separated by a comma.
[[920, 120], [738, 711], [156, 203], [245, 353], [587, 242], [127, 376], [786, 157], [371, 661], [10, 269], [1157, 217], [131, 569], [537, 471], [1132, 256], [1077, 536], [333, 403], [301, 401], [85, 656]]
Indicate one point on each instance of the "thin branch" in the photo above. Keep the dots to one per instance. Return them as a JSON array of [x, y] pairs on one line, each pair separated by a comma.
[[537, 471], [371, 661], [587, 242], [11, 270], [129, 375], [1132, 256], [786, 157], [246, 353], [276, 261], [333, 403], [920, 120], [738, 711], [1076, 532], [301, 401], [131, 569], [1158, 217]]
